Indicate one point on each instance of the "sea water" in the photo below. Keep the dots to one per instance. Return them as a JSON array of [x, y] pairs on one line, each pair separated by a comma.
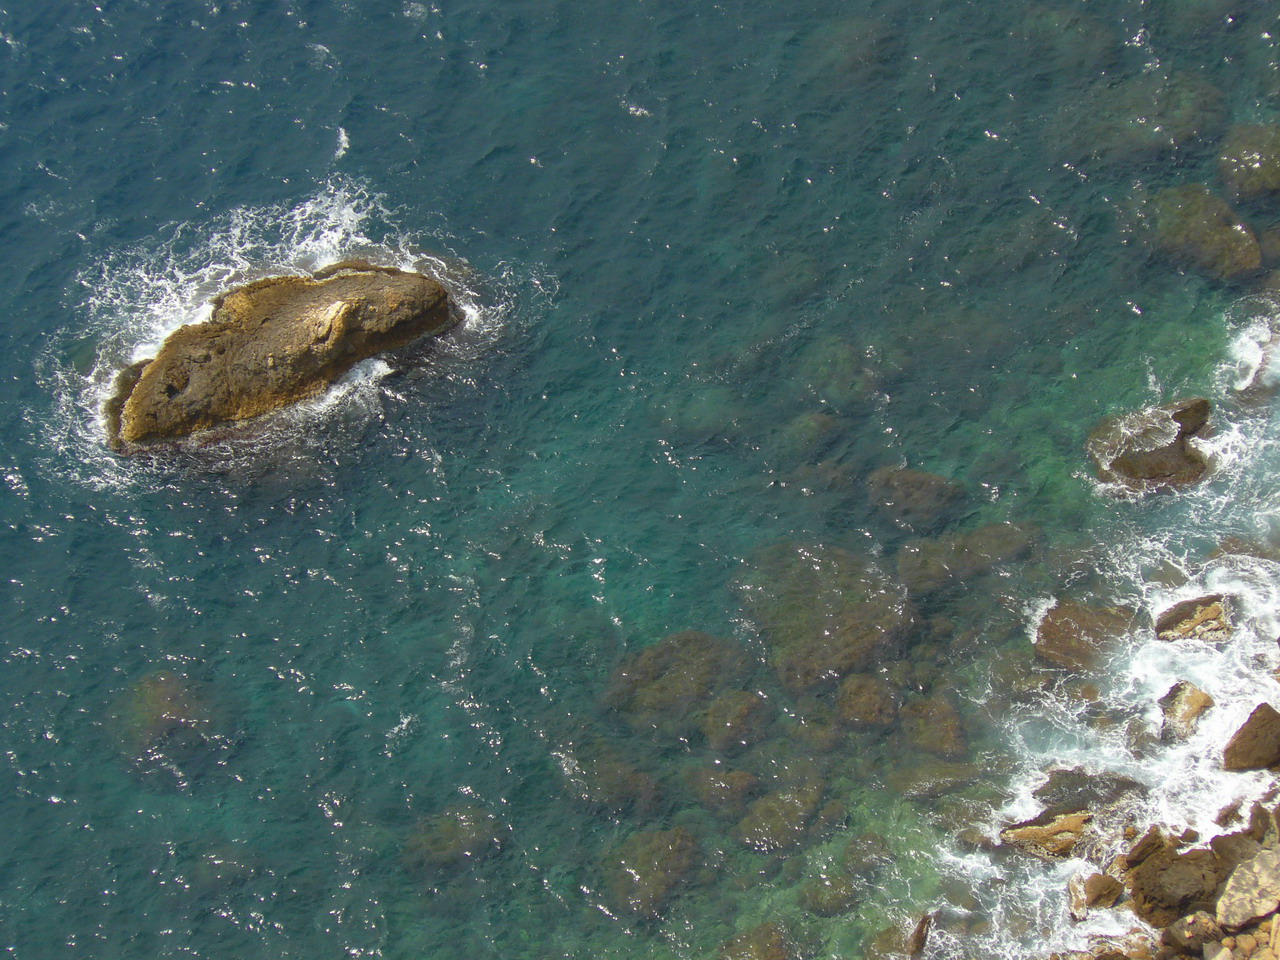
[[716, 263]]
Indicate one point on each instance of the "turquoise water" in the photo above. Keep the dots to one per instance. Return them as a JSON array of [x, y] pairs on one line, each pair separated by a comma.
[[719, 262]]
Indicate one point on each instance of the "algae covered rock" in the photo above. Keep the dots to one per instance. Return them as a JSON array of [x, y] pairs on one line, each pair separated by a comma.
[[454, 839], [768, 941], [647, 869], [1073, 634], [1199, 230], [866, 700], [829, 895], [914, 498], [1141, 117], [933, 725], [169, 723], [270, 344], [825, 613], [723, 791], [777, 821], [1152, 449], [735, 720], [665, 686], [1249, 161], [934, 564]]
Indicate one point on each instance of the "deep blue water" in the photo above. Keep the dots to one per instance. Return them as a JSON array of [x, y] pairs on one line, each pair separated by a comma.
[[721, 262]]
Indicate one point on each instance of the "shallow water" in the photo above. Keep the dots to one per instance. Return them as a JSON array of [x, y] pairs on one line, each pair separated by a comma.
[[718, 264]]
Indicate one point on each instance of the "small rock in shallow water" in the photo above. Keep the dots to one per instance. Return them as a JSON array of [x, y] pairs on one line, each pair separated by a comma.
[[1049, 838]]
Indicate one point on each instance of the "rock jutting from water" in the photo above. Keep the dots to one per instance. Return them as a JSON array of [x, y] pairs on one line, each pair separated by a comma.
[[270, 344], [1152, 449]]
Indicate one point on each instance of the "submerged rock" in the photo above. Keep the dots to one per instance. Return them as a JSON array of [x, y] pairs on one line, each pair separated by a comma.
[[167, 723], [454, 839], [829, 895], [663, 687], [929, 565], [1073, 634], [1200, 618], [826, 613], [1249, 162], [1199, 230], [268, 345], [777, 821], [866, 700], [735, 720], [647, 869], [1152, 449], [913, 498], [768, 941], [933, 725], [722, 791]]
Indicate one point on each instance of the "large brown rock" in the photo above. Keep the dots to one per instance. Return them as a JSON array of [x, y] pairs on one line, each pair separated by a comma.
[[270, 344], [1165, 884], [1251, 892], [1256, 745], [1151, 449]]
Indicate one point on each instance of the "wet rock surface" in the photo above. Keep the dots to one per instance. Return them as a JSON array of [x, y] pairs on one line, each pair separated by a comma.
[[1152, 449], [1047, 836], [1256, 745], [270, 344], [1182, 707], [1200, 618]]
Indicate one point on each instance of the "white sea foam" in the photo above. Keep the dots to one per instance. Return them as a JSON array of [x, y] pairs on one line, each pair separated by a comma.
[[132, 298], [1185, 783]]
